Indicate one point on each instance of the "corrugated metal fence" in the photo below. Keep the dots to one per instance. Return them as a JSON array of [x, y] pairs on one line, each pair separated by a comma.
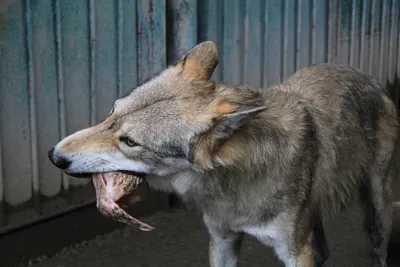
[[64, 62]]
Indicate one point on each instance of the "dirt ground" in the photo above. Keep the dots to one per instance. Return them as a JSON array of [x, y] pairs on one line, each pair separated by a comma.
[[181, 239]]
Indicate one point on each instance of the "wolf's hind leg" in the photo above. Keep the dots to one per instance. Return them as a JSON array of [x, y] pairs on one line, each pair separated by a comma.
[[376, 189], [318, 241], [376, 197], [289, 235], [224, 245], [376, 194], [293, 253]]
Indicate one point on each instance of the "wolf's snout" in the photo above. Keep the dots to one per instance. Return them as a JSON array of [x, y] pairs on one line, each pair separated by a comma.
[[58, 161]]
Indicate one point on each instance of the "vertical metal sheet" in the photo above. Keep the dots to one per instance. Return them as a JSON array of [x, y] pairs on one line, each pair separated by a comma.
[[129, 55], [182, 33], [305, 34], [253, 41], [92, 59], [384, 40], [120, 44], [355, 35], [233, 43], [43, 98], [75, 56], [211, 27], [60, 89], [320, 34], [32, 107], [333, 30], [2, 203], [365, 36], [374, 38], [152, 38], [393, 41], [273, 50], [344, 31], [15, 112], [105, 59], [289, 38], [63, 63], [2, 82]]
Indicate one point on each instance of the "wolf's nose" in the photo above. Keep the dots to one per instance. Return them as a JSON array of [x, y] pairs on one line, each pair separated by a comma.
[[59, 162]]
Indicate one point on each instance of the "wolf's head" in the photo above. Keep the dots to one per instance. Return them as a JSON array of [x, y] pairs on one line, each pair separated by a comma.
[[175, 121]]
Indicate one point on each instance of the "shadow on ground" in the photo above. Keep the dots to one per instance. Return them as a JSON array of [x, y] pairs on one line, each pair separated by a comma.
[[181, 239]]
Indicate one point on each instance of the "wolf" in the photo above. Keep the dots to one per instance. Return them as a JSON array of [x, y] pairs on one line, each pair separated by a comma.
[[268, 162]]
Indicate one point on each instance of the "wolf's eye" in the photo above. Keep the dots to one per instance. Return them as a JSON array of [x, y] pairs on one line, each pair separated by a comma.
[[128, 141]]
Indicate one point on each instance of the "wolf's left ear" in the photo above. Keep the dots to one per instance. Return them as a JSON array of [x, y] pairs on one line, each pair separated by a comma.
[[224, 119], [228, 117], [200, 61]]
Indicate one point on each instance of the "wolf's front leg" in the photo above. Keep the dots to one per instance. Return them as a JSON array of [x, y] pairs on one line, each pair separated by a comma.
[[224, 245], [225, 252]]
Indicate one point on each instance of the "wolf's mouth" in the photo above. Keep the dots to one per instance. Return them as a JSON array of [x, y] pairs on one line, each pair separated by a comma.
[[90, 174]]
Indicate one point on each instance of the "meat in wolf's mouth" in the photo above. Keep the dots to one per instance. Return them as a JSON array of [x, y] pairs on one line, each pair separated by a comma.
[[118, 186]]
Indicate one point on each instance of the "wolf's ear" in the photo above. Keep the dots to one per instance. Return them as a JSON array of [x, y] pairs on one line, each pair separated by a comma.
[[200, 61], [228, 117], [224, 119]]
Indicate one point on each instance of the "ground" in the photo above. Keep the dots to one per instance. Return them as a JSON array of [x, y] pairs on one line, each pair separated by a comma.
[[180, 239]]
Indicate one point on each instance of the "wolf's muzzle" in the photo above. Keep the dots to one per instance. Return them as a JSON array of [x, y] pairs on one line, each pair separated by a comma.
[[59, 162]]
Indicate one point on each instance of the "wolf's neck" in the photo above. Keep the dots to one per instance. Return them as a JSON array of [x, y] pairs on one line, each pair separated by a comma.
[[243, 95], [213, 149]]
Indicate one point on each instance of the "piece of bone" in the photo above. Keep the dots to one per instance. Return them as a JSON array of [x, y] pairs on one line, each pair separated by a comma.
[[122, 185]]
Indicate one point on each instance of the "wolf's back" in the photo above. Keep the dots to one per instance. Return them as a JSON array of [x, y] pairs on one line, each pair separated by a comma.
[[356, 130]]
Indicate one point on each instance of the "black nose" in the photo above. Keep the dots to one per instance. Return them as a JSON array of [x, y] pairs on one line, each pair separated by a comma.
[[59, 162], [50, 154]]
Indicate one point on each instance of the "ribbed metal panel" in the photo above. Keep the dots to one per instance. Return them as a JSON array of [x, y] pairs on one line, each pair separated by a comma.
[[62, 65], [64, 62]]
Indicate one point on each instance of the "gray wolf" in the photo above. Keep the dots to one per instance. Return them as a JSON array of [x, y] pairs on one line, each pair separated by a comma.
[[271, 162]]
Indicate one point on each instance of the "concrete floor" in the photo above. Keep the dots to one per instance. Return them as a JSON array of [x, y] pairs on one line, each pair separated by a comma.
[[181, 239]]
